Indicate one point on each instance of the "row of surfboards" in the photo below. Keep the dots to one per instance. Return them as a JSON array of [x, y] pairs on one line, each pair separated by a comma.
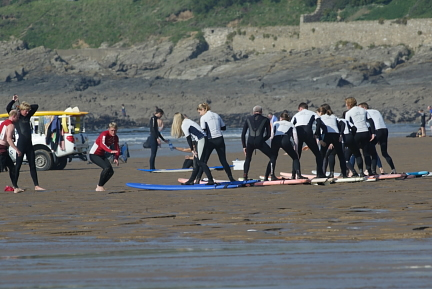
[[283, 180]]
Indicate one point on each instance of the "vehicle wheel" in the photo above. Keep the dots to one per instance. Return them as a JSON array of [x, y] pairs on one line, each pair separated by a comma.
[[61, 163], [43, 160]]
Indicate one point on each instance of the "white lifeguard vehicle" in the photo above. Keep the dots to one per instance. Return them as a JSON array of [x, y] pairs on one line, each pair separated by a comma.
[[52, 152]]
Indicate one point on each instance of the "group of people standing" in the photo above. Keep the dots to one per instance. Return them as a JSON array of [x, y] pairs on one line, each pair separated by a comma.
[[360, 129]]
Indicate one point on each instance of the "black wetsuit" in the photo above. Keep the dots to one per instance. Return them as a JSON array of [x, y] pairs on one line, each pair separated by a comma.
[[259, 133], [154, 135], [25, 144]]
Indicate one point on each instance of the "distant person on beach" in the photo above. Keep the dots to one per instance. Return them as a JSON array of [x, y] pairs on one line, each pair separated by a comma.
[[25, 144], [381, 138], [155, 135], [258, 128], [364, 134], [430, 117], [303, 121], [123, 110], [284, 136], [422, 122], [97, 154], [213, 125], [7, 131], [188, 162], [197, 140]]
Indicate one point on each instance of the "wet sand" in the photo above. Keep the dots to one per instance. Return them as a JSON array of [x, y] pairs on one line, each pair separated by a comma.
[[382, 210]]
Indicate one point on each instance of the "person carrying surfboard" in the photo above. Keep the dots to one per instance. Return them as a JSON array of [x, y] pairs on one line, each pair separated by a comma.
[[24, 144], [7, 130], [258, 127], [303, 121], [213, 125], [97, 154], [197, 140]]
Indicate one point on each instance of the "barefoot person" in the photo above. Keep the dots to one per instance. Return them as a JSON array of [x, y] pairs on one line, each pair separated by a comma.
[[284, 135], [257, 127], [155, 128], [303, 121], [97, 155], [213, 125], [25, 145], [364, 134], [381, 138], [7, 129], [197, 140]]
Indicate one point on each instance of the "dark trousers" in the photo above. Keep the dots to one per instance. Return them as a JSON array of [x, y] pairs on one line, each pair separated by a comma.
[[27, 150], [107, 169]]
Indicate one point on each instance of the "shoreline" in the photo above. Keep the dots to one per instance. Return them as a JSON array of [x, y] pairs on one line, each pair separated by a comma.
[[382, 210]]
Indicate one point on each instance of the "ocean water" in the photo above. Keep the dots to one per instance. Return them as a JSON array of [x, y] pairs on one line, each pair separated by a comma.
[[189, 263], [135, 137]]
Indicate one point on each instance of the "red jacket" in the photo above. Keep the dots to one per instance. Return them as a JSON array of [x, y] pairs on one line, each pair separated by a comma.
[[103, 144]]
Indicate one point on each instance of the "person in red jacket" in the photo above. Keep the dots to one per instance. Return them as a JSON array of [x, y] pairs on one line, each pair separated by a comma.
[[103, 144]]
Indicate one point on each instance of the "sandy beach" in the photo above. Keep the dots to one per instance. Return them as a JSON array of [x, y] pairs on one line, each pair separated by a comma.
[[382, 210]]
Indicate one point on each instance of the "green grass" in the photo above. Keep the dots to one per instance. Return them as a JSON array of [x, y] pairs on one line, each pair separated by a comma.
[[61, 24]]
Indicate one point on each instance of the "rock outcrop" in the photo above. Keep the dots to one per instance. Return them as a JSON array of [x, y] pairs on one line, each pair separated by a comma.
[[178, 77]]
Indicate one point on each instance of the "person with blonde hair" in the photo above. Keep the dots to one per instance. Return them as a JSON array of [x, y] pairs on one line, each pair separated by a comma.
[[24, 144], [364, 134], [197, 141], [97, 154], [7, 129], [213, 125]]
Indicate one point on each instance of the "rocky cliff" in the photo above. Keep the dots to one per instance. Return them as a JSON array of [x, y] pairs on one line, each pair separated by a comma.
[[177, 78]]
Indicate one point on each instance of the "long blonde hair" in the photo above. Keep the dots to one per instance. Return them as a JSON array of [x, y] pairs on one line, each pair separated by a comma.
[[176, 130]]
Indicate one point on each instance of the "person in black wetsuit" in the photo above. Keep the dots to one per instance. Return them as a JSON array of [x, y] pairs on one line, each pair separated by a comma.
[[259, 132], [303, 121], [25, 144], [154, 135]]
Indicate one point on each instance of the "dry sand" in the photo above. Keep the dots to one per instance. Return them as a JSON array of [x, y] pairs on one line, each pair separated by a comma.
[[383, 210]]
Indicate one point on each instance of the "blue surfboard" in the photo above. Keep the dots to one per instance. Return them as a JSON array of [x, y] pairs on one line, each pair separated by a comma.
[[178, 170], [228, 185], [419, 173]]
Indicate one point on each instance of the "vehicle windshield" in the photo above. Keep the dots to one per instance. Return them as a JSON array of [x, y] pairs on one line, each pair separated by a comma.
[[69, 124]]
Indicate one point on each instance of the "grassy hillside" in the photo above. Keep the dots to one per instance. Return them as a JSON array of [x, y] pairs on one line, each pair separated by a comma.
[[88, 23]]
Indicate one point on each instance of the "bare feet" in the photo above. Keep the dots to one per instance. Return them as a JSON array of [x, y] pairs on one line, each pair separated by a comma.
[[37, 188], [18, 190], [100, 189]]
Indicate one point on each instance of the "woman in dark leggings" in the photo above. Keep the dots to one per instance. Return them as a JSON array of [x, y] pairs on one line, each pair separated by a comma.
[[284, 135], [25, 145], [154, 135], [213, 125], [333, 138], [197, 141], [97, 154]]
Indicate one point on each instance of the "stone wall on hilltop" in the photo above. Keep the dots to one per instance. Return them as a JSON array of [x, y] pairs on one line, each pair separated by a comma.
[[412, 32]]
